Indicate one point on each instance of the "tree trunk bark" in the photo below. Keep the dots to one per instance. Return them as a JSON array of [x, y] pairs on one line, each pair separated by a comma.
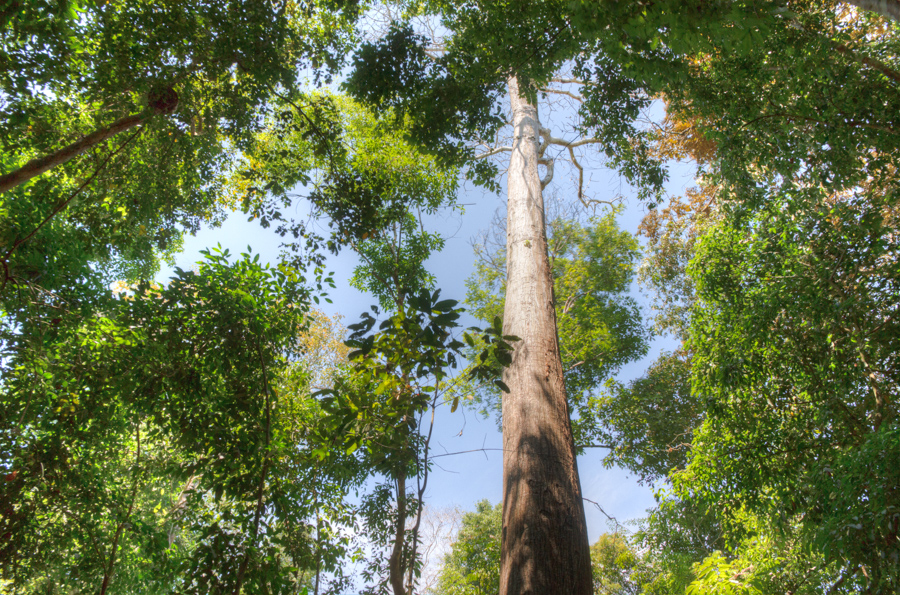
[[395, 562], [545, 548], [36, 167], [886, 8]]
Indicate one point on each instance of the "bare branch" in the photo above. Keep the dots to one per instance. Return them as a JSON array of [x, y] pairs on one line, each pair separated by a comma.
[[493, 152], [577, 98], [606, 514], [549, 177], [580, 176], [552, 140], [566, 81]]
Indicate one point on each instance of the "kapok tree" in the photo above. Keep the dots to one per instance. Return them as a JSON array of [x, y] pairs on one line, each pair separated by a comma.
[[627, 52], [450, 95]]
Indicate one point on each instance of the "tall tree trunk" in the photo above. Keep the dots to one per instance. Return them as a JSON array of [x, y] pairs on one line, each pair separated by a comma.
[[545, 547]]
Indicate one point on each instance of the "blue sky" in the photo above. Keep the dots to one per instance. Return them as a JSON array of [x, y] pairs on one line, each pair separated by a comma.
[[464, 479]]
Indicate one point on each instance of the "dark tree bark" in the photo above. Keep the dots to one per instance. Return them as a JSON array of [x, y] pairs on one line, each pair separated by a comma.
[[395, 562], [545, 548]]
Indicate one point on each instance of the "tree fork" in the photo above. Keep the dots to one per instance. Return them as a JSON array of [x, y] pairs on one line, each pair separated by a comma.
[[544, 546]]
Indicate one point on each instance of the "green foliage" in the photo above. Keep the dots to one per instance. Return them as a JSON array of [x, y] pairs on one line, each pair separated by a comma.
[[396, 373], [599, 324], [648, 423], [370, 184], [618, 569], [112, 212], [443, 102], [794, 346], [676, 535], [473, 565], [767, 560], [142, 443], [374, 412]]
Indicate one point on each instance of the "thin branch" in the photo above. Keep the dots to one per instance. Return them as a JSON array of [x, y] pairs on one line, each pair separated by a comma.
[[421, 484], [62, 206], [606, 514], [577, 98], [566, 81], [493, 152], [580, 176], [450, 454], [107, 576], [262, 477]]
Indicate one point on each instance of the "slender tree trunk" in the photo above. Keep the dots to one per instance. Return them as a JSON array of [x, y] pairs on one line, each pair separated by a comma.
[[545, 547], [36, 167], [395, 562]]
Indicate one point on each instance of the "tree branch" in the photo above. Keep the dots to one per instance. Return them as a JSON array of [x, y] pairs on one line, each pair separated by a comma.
[[549, 177], [493, 152], [107, 576], [566, 81], [36, 167], [62, 206], [870, 62], [600, 508], [886, 8], [577, 98]]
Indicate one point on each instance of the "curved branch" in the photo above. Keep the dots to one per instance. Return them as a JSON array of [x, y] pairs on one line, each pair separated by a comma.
[[580, 176], [549, 177]]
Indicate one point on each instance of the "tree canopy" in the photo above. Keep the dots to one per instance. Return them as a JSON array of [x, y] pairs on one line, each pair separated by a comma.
[[205, 433]]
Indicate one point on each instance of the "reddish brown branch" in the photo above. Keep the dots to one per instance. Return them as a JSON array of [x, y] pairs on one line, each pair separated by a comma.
[[36, 167], [62, 205], [870, 62]]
